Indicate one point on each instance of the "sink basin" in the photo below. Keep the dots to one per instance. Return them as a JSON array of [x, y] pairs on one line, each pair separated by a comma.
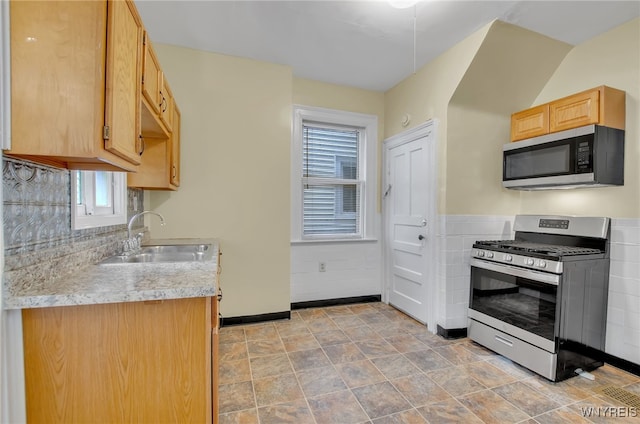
[[165, 253], [176, 248]]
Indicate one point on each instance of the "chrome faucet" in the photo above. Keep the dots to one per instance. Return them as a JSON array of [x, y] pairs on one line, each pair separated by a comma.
[[133, 243]]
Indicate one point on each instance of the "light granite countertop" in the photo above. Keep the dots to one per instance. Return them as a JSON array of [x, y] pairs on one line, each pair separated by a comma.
[[131, 282]]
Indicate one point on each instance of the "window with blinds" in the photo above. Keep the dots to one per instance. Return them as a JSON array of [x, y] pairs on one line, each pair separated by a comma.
[[331, 180], [333, 175]]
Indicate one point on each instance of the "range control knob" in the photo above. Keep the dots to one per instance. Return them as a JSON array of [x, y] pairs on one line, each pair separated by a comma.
[[480, 253], [528, 261], [508, 258], [489, 254], [542, 264]]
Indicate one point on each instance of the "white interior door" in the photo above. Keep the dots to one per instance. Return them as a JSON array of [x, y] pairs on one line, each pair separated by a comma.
[[410, 226]]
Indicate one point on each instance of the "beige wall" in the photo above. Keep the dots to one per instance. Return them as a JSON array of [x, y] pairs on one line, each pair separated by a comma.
[[473, 88], [236, 129], [236, 177], [502, 78], [352, 269], [319, 94], [611, 59], [426, 95]]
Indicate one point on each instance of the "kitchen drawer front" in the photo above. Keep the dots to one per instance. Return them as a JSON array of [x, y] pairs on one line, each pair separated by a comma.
[[525, 354]]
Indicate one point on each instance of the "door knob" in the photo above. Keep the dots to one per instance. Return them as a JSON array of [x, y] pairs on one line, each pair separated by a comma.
[[420, 237]]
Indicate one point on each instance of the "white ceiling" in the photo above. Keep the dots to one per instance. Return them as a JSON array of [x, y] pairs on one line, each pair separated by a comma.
[[366, 44]]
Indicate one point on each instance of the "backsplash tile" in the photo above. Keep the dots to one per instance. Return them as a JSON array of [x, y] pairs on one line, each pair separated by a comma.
[[37, 211], [38, 238], [456, 237]]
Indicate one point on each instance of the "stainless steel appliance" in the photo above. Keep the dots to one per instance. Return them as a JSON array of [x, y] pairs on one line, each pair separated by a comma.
[[589, 156], [541, 299]]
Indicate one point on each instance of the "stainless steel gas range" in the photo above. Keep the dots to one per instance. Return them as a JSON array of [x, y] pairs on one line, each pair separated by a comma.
[[541, 299]]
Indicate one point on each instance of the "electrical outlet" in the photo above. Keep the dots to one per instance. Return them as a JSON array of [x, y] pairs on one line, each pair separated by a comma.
[[322, 266]]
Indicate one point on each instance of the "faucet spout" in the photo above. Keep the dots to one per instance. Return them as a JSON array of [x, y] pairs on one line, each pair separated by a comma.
[[136, 216]]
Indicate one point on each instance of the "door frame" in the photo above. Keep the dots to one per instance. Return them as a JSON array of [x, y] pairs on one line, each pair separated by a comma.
[[428, 128]]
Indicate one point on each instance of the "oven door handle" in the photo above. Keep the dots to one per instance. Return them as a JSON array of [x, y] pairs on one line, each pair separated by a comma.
[[542, 277]]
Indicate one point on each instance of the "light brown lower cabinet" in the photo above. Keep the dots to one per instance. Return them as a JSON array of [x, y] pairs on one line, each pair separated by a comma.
[[144, 362]]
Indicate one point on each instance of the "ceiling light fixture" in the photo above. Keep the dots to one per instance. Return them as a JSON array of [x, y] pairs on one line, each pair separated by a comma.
[[402, 4], [415, 31], [405, 4]]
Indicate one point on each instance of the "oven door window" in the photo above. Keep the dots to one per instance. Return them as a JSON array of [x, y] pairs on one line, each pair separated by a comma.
[[526, 304]]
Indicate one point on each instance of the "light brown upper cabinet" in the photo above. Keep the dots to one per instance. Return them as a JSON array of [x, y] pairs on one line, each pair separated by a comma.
[[166, 104], [157, 99], [151, 76], [160, 163], [530, 123], [175, 147], [601, 105], [151, 97], [75, 83]]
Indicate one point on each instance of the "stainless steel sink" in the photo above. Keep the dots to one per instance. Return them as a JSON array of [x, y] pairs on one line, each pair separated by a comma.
[[165, 253], [176, 248]]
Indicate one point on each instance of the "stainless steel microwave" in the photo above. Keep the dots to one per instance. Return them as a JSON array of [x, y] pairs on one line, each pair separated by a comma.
[[589, 156]]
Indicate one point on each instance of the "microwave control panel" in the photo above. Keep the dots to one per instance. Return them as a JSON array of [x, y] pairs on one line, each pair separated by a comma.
[[583, 156]]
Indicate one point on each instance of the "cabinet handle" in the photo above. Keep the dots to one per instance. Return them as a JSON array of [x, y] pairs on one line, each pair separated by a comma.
[[163, 104], [219, 294], [174, 171], [142, 144]]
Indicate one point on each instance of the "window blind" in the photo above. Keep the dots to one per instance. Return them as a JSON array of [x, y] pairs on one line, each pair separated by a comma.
[[332, 188]]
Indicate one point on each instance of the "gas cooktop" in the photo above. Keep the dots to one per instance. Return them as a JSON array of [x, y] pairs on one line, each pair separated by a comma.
[[524, 247]]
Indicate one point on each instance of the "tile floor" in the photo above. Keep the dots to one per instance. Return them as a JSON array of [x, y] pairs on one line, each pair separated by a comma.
[[369, 363]]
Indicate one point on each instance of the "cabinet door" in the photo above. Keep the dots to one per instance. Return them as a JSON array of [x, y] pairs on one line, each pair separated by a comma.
[[166, 104], [215, 360], [151, 76], [530, 123], [145, 362], [175, 148], [160, 163], [123, 85], [575, 111], [154, 170], [58, 54], [42, 117]]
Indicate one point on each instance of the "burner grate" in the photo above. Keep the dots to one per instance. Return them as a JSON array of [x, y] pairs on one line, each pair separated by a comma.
[[545, 249]]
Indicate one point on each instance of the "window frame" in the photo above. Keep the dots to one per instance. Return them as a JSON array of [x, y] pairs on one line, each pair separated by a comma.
[[367, 163], [340, 212], [81, 220]]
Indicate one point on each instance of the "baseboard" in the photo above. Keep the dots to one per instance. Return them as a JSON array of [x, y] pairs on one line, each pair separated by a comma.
[[452, 333], [623, 364], [252, 319], [336, 302]]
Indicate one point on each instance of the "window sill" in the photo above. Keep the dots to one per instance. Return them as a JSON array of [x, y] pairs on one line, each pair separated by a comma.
[[329, 241]]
